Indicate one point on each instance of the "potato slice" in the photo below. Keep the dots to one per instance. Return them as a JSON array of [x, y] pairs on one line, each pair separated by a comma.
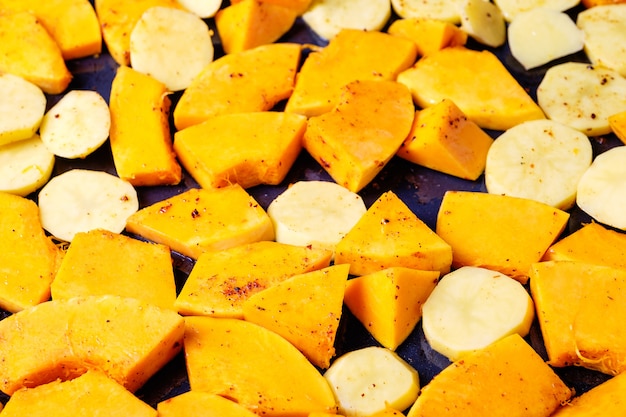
[[171, 45], [368, 380], [582, 96], [605, 35], [25, 166], [328, 17], [602, 188], [77, 125], [201, 8], [472, 307], [22, 105], [446, 10], [81, 200], [541, 35], [511, 8], [541, 160], [483, 21]]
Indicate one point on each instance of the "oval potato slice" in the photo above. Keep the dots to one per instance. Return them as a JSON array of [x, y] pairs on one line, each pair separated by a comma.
[[605, 35], [25, 166], [446, 10], [81, 200], [328, 17], [201, 8], [483, 21], [511, 8], [171, 45], [22, 106]]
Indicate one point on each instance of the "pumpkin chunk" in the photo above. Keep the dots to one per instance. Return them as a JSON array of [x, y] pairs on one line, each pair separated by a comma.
[[389, 302], [430, 35], [28, 257], [202, 220], [244, 148], [605, 399], [389, 234], [299, 6], [503, 233], [477, 82], [354, 142], [201, 404], [252, 80], [239, 360], [127, 339], [507, 378], [220, 282], [304, 309], [351, 55]]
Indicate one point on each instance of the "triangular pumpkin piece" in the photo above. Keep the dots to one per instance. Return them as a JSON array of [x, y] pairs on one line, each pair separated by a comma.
[[430, 35], [201, 404], [389, 302], [390, 234], [305, 310]]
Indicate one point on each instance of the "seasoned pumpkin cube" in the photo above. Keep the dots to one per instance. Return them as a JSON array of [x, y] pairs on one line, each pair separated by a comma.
[[93, 393], [300, 6], [202, 220], [430, 35], [142, 270], [617, 122], [201, 404], [388, 235]]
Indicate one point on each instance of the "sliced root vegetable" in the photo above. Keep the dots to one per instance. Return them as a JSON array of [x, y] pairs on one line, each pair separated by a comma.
[[25, 166], [483, 21], [316, 213], [328, 17], [82, 200], [541, 160], [446, 10], [369, 380], [22, 106], [602, 188], [472, 307], [171, 45], [77, 125], [201, 8], [511, 8], [541, 35], [582, 96]]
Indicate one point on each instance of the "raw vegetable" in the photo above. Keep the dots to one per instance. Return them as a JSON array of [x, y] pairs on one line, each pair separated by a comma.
[[582, 96], [604, 29], [430, 35], [300, 6], [389, 234], [25, 166], [304, 309], [203, 220], [483, 21], [315, 213], [171, 45], [389, 302], [471, 308], [22, 105], [201, 404], [80, 200], [541, 35], [253, 366], [367, 381], [445, 10], [617, 122], [512, 8], [605, 399], [602, 187], [220, 282], [328, 17], [202, 8], [541, 160], [76, 125]]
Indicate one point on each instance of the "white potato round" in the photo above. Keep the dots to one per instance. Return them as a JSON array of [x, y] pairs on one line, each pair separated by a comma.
[[369, 380], [540, 160], [171, 45], [582, 96], [81, 200], [76, 125], [22, 106], [315, 213], [511, 8], [329, 17], [605, 35], [602, 188], [201, 8], [446, 10], [472, 307], [541, 35], [25, 166], [483, 21]]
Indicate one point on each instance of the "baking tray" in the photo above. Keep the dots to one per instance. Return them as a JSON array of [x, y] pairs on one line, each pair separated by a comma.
[[420, 188]]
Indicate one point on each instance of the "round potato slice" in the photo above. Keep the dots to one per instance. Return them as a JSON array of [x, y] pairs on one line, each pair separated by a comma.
[[328, 17], [201, 8], [605, 35], [446, 10], [82, 200], [25, 166], [171, 45], [77, 125], [511, 8], [22, 106], [602, 188]]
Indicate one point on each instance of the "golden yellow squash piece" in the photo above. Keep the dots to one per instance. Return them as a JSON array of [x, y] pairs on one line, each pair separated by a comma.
[[127, 339], [255, 367], [201, 404], [299, 6], [617, 122], [28, 257], [606, 399], [477, 82], [430, 35]]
